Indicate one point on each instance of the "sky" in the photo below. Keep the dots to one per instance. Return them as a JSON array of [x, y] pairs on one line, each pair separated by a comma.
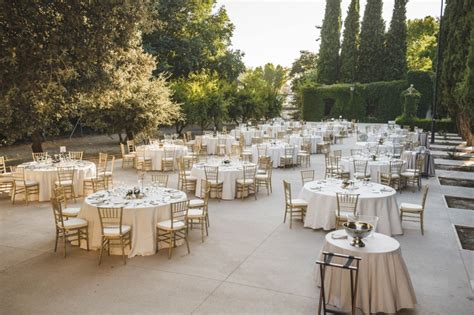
[[276, 30]]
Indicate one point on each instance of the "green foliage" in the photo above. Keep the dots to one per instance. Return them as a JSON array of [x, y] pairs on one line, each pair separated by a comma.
[[302, 74], [458, 25], [371, 50], [422, 43], [442, 125], [410, 99], [193, 36], [423, 81], [396, 44], [328, 62], [350, 44], [466, 88], [371, 102]]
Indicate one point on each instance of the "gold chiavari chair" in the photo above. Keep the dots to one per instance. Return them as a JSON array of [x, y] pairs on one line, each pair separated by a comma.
[[360, 169], [131, 146], [185, 182], [337, 153], [113, 231], [413, 176], [307, 176], [280, 134], [287, 158], [68, 212], [143, 162], [167, 161], [103, 159], [109, 173], [198, 209], [95, 183], [176, 228], [265, 179], [263, 163], [65, 229], [336, 169], [39, 156], [245, 155], [346, 205], [127, 158], [415, 212], [262, 151], [75, 155], [6, 178], [221, 146], [293, 207], [23, 186], [304, 156], [246, 185], [392, 178], [66, 181], [160, 179], [215, 184]]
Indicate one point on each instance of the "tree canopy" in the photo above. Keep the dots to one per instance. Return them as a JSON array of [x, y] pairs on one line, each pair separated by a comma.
[[350, 44], [396, 44], [422, 43]]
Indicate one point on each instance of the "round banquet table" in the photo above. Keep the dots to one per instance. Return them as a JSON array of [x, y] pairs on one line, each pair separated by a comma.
[[274, 151], [384, 282], [156, 153], [141, 214], [228, 173], [212, 142], [375, 199], [410, 158], [373, 167], [47, 173]]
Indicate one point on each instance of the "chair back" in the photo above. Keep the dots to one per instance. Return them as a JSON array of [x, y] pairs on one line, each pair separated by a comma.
[[337, 153], [289, 150], [306, 147], [280, 134], [205, 192], [334, 161], [189, 135], [39, 156], [65, 174], [19, 175], [169, 153], [178, 212], [57, 212], [307, 176], [420, 164], [261, 150], [346, 203], [221, 141], [396, 167], [264, 161], [360, 166], [3, 167], [287, 188], [110, 217], [103, 157], [249, 173], [75, 155], [212, 174], [425, 194], [159, 179], [131, 146]]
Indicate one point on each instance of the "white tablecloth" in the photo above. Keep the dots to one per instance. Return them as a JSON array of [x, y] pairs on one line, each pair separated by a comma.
[[274, 151], [227, 173], [46, 175], [410, 158], [212, 142], [141, 214], [384, 282], [247, 134], [297, 140], [373, 167], [322, 205], [156, 153], [272, 130]]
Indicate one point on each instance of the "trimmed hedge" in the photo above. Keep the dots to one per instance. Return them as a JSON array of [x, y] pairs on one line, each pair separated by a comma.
[[425, 123], [423, 81]]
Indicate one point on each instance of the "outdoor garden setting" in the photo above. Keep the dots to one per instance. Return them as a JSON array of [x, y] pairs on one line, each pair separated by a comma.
[[228, 156]]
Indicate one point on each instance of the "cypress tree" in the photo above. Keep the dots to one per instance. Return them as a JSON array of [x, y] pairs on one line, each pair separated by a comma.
[[350, 44], [456, 30], [328, 62], [396, 44], [371, 50]]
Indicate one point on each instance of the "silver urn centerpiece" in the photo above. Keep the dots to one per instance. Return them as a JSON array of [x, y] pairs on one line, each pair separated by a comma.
[[359, 227]]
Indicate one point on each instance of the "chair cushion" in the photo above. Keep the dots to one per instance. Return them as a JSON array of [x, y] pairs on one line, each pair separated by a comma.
[[167, 159], [74, 223], [214, 183], [408, 174], [286, 157], [261, 172], [63, 182], [247, 181], [166, 225], [299, 202], [114, 230], [6, 179], [27, 183], [129, 156], [71, 212], [195, 213], [359, 175], [108, 173], [190, 178], [246, 153], [261, 176], [405, 206], [196, 203]]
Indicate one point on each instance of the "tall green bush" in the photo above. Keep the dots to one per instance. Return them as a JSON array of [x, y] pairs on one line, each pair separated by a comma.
[[423, 81], [350, 44]]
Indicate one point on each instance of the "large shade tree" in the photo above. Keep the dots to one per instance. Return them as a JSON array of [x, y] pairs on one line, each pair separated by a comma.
[[422, 43], [396, 44], [371, 50], [350, 44], [328, 62]]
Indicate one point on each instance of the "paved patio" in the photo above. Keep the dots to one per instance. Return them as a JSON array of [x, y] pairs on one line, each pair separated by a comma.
[[250, 263]]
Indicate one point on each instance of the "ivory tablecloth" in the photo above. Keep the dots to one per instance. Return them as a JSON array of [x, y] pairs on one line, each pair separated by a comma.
[[156, 153], [274, 151], [373, 167], [322, 204], [384, 282], [212, 142], [141, 214], [46, 175]]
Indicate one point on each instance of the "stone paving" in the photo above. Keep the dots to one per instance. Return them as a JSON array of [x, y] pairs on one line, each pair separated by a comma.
[[250, 263]]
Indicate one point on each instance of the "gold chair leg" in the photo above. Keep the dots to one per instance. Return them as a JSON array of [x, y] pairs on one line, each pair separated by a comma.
[[170, 248], [123, 250]]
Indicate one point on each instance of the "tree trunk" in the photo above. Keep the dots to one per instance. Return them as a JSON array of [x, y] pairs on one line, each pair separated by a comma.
[[120, 137], [464, 127], [129, 134], [36, 140]]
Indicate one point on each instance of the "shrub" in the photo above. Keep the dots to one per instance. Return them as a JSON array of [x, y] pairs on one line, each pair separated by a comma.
[[423, 81], [444, 125]]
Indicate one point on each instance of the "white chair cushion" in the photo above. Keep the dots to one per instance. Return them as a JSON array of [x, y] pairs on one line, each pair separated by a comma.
[[359, 175], [246, 153], [129, 156], [74, 223], [63, 182], [108, 173], [6, 179], [7, 174], [411, 170], [196, 203], [410, 207], [167, 159], [408, 174], [299, 202], [247, 181], [27, 183], [214, 183], [191, 178], [71, 212], [261, 172], [395, 176], [115, 231], [188, 157], [195, 213], [261, 176], [286, 157], [166, 225]]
